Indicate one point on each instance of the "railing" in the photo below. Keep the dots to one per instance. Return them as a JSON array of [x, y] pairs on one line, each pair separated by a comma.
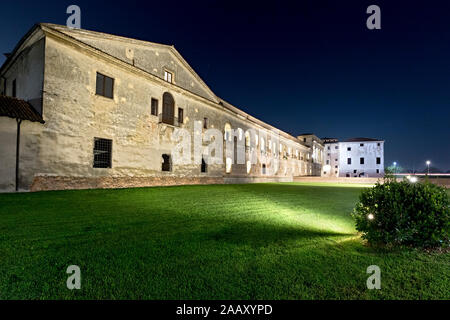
[[173, 121]]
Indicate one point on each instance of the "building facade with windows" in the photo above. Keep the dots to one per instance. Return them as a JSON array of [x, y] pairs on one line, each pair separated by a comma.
[[105, 108], [356, 157]]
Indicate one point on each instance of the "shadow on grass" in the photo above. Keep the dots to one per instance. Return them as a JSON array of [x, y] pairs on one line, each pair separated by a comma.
[[262, 234]]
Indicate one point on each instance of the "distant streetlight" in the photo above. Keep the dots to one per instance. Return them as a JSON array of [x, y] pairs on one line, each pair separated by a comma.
[[395, 167], [428, 165]]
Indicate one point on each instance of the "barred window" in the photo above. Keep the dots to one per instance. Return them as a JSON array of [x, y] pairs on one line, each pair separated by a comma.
[[102, 153], [104, 86], [154, 107]]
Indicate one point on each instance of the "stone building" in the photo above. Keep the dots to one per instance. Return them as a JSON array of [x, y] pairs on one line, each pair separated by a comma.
[[104, 109], [356, 157]]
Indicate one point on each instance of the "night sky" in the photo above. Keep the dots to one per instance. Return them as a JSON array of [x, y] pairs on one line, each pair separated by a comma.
[[302, 66]]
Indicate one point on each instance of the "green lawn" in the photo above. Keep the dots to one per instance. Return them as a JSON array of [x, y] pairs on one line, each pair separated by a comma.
[[254, 241]]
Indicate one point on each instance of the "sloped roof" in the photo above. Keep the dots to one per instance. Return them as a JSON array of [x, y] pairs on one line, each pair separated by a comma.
[[18, 109], [361, 139]]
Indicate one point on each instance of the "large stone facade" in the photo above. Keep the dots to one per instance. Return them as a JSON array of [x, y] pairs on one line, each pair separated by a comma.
[[55, 68]]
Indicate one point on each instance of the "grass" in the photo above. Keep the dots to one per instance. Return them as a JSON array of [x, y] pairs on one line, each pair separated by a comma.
[[254, 241]]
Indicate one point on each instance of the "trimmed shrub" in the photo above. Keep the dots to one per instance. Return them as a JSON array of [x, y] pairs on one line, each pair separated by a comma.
[[404, 213]]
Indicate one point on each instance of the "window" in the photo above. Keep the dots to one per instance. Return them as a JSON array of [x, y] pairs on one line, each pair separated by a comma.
[[166, 165], [361, 144], [328, 161], [349, 160], [168, 76], [263, 169], [354, 171], [349, 149], [168, 109], [14, 89], [378, 144], [328, 154], [104, 86], [180, 115], [102, 153], [336, 147], [378, 160], [335, 172], [205, 123], [335, 160], [328, 147], [361, 160], [304, 139], [154, 108], [204, 167], [336, 167], [378, 170], [347, 175]]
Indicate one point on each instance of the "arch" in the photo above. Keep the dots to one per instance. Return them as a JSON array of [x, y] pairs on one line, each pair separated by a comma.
[[227, 132], [168, 109]]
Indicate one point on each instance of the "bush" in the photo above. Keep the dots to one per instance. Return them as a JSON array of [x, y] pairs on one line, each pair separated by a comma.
[[404, 213]]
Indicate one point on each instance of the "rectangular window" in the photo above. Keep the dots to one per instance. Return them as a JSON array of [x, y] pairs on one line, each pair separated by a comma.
[[378, 160], [349, 160], [378, 144], [104, 86], [336, 167], [349, 149], [378, 170], [180, 115], [361, 144], [168, 76], [102, 153], [166, 164], [328, 161], [205, 123], [154, 108], [328, 147], [336, 147], [354, 171], [361, 160], [14, 89]]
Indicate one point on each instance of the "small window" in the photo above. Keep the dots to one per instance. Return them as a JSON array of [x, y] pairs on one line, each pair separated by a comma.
[[378, 160], [166, 164], [336, 147], [354, 171], [14, 89], [205, 123], [378, 170], [304, 139], [361, 144], [378, 144], [180, 115], [349, 149], [328, 161], [347, 175], [361, 160], [335, 159], [335, 172], [349, 160], [328, 154], [168, 76], [154, 109], [336, 167], [328, 147], [204, 167], [263, 169], [104, 86], [102, 153]]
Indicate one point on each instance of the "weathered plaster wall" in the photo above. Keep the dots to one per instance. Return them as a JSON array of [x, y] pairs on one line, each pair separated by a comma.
[[59, 154], [7, 153], [28, 71]]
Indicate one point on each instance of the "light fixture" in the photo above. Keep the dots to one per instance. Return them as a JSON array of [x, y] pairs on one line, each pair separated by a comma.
[[370, 216]]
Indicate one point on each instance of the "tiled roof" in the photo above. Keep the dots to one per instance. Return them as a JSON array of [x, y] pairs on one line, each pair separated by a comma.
[[18, 109]]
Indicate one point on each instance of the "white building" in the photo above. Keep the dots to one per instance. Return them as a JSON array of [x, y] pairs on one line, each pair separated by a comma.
[[357, 157]]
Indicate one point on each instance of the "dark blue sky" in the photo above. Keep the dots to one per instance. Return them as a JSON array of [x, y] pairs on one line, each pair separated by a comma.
[[302, 66]]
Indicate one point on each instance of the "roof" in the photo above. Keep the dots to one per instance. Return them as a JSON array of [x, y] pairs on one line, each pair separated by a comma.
[[361, 139], [18, 109]]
